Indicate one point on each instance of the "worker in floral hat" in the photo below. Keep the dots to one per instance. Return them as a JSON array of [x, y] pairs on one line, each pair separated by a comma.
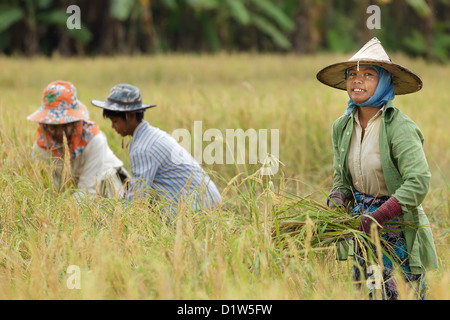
[[381, 174], [94, 167]]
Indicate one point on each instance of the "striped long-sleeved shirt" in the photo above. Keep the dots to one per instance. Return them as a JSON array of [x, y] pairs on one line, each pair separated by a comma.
[[159, 163]]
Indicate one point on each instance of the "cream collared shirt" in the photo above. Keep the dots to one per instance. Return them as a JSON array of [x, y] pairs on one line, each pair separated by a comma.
[[364, 157]]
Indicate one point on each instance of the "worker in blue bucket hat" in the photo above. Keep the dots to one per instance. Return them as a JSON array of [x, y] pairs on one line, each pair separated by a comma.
[[159, 166]]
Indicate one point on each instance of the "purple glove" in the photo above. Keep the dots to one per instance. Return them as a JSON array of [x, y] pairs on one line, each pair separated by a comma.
[[389, 210]]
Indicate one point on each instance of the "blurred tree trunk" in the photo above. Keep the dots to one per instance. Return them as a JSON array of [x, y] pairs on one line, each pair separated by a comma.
[[429, 28], [31, 31], [367, 33], [107, 30], [306, 36], [146, 21]]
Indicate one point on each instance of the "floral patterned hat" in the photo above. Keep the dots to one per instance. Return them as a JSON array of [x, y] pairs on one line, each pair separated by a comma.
[[123, 98], [60, 105]]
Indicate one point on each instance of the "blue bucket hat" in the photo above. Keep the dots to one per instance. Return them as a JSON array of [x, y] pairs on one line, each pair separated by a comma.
[[123, 98]]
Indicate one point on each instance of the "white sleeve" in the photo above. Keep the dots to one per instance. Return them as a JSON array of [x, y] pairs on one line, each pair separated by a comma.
[[91, 171]]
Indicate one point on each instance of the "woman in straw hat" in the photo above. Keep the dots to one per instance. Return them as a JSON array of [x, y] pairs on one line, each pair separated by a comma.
[[92, 163], [380, 169], [159, 165]]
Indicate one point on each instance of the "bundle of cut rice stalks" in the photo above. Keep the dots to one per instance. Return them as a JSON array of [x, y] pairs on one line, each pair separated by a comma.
[[310, 224]]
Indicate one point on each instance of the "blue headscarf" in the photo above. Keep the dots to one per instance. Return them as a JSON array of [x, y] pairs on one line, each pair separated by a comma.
[[383, 93]]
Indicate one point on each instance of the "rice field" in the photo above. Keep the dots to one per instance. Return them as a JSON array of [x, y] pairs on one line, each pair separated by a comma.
[[53, 248]]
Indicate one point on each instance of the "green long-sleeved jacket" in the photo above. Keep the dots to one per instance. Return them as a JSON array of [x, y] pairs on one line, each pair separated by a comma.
[[406, 173]]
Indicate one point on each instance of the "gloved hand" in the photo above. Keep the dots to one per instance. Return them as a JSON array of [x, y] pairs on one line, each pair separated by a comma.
[[338, 197], [389, 210]]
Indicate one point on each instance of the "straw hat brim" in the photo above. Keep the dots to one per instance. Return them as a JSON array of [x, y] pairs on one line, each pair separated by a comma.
[[120, 107], [405, 81], [43, 116]]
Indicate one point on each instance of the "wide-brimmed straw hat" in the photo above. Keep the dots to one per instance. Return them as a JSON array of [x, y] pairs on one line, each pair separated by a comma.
[[60, 105], [123, 98], [405, 81]]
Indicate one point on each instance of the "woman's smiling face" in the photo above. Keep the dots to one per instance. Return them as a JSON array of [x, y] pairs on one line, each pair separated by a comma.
[[361, 84]]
